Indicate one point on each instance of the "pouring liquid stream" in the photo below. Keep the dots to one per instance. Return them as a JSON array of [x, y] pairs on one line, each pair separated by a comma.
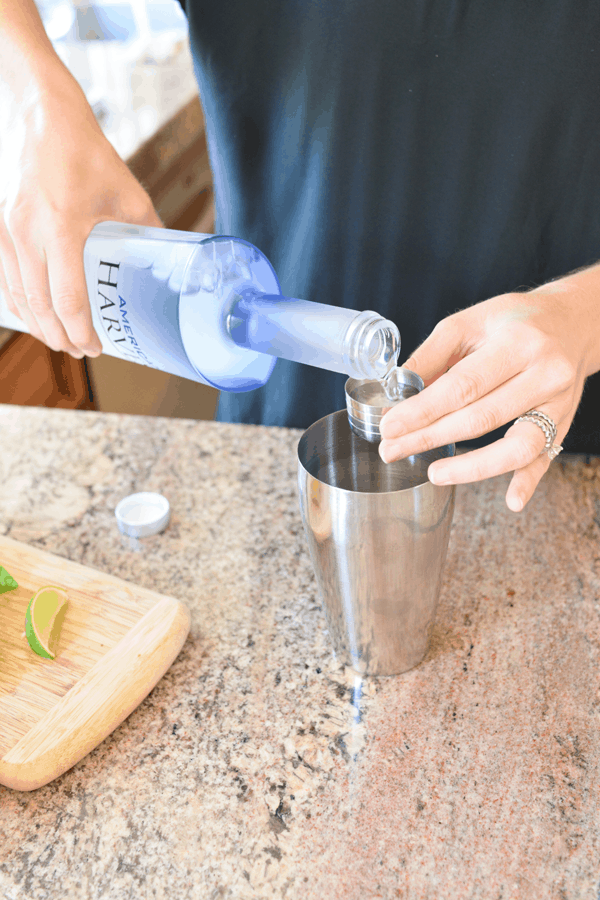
[[391, 386]]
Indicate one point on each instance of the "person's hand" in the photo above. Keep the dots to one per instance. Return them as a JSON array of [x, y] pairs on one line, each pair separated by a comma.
[[489, 364], [59, 176]]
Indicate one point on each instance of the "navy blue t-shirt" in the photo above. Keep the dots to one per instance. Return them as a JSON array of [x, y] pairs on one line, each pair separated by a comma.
[[411, 157]]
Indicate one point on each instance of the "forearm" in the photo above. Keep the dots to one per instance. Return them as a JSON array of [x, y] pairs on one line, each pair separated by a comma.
[[26, 51], [581, 293], [37, 91], [32, 76]]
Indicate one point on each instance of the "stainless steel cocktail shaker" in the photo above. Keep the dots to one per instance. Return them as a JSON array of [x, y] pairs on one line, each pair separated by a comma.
[[378, 535]]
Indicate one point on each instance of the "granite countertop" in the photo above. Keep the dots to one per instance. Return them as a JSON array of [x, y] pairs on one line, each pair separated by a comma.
[[258, 768]]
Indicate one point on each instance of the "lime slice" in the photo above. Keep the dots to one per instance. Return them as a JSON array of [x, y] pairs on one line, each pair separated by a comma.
[[44, 618], [7, 582]]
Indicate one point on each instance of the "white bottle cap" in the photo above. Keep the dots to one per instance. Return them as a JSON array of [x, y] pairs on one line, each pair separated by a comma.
[[143, 514]]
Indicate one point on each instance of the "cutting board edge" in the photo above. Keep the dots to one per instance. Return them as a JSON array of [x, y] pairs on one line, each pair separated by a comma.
[[158, 638], [78, 569]]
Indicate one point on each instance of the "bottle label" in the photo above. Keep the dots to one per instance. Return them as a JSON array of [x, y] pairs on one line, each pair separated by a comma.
[[134, 279], [161, 298], [114, 316]]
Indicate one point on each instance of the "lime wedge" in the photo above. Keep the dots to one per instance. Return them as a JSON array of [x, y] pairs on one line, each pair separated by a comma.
[[7, 582], [44, 618]]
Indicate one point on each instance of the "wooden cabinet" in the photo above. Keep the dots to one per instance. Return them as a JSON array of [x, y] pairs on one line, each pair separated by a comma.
[[173, 166], [33, 375]]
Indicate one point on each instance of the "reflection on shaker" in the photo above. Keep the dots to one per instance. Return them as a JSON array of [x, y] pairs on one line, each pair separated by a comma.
[[318, 514]]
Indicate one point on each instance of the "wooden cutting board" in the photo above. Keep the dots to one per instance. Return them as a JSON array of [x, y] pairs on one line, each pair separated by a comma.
[[116, 643]]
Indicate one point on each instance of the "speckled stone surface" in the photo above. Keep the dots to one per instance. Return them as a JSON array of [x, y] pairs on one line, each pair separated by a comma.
[[258, 768]]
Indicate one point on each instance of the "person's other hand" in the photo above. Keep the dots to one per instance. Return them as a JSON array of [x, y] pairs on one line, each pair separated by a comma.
[[59, 177], [489, 364]]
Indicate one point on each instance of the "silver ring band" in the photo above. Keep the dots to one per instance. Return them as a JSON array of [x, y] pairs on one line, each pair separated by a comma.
[[549, 428], [545, 418], [549, 432]]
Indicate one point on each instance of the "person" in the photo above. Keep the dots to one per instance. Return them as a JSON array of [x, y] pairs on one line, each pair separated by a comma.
[[438, 163]]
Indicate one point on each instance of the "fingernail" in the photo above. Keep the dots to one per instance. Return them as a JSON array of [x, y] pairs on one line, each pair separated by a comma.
[[516, 503], [439, 476], [383, 454], [92, 351]]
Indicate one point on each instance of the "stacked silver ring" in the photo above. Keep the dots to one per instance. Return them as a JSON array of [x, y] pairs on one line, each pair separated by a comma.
[[549, 428]]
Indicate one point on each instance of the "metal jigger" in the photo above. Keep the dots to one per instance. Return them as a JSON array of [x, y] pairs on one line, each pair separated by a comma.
[[367, 401]]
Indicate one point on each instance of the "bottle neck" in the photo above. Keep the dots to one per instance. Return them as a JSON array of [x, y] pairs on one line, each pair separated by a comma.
[[359, 344]]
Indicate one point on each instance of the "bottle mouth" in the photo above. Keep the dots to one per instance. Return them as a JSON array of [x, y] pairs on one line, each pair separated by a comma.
[[371, 346]]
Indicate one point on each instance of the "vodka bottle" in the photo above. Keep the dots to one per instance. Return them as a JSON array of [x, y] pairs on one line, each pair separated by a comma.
[[209, 308]]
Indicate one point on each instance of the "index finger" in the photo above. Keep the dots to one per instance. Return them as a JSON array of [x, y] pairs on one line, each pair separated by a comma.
[[68, 289], [471, 378]]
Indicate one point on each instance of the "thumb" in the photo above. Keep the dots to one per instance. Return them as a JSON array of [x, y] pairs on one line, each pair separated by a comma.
[[152, 219], [440, 351], [134, 205]]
